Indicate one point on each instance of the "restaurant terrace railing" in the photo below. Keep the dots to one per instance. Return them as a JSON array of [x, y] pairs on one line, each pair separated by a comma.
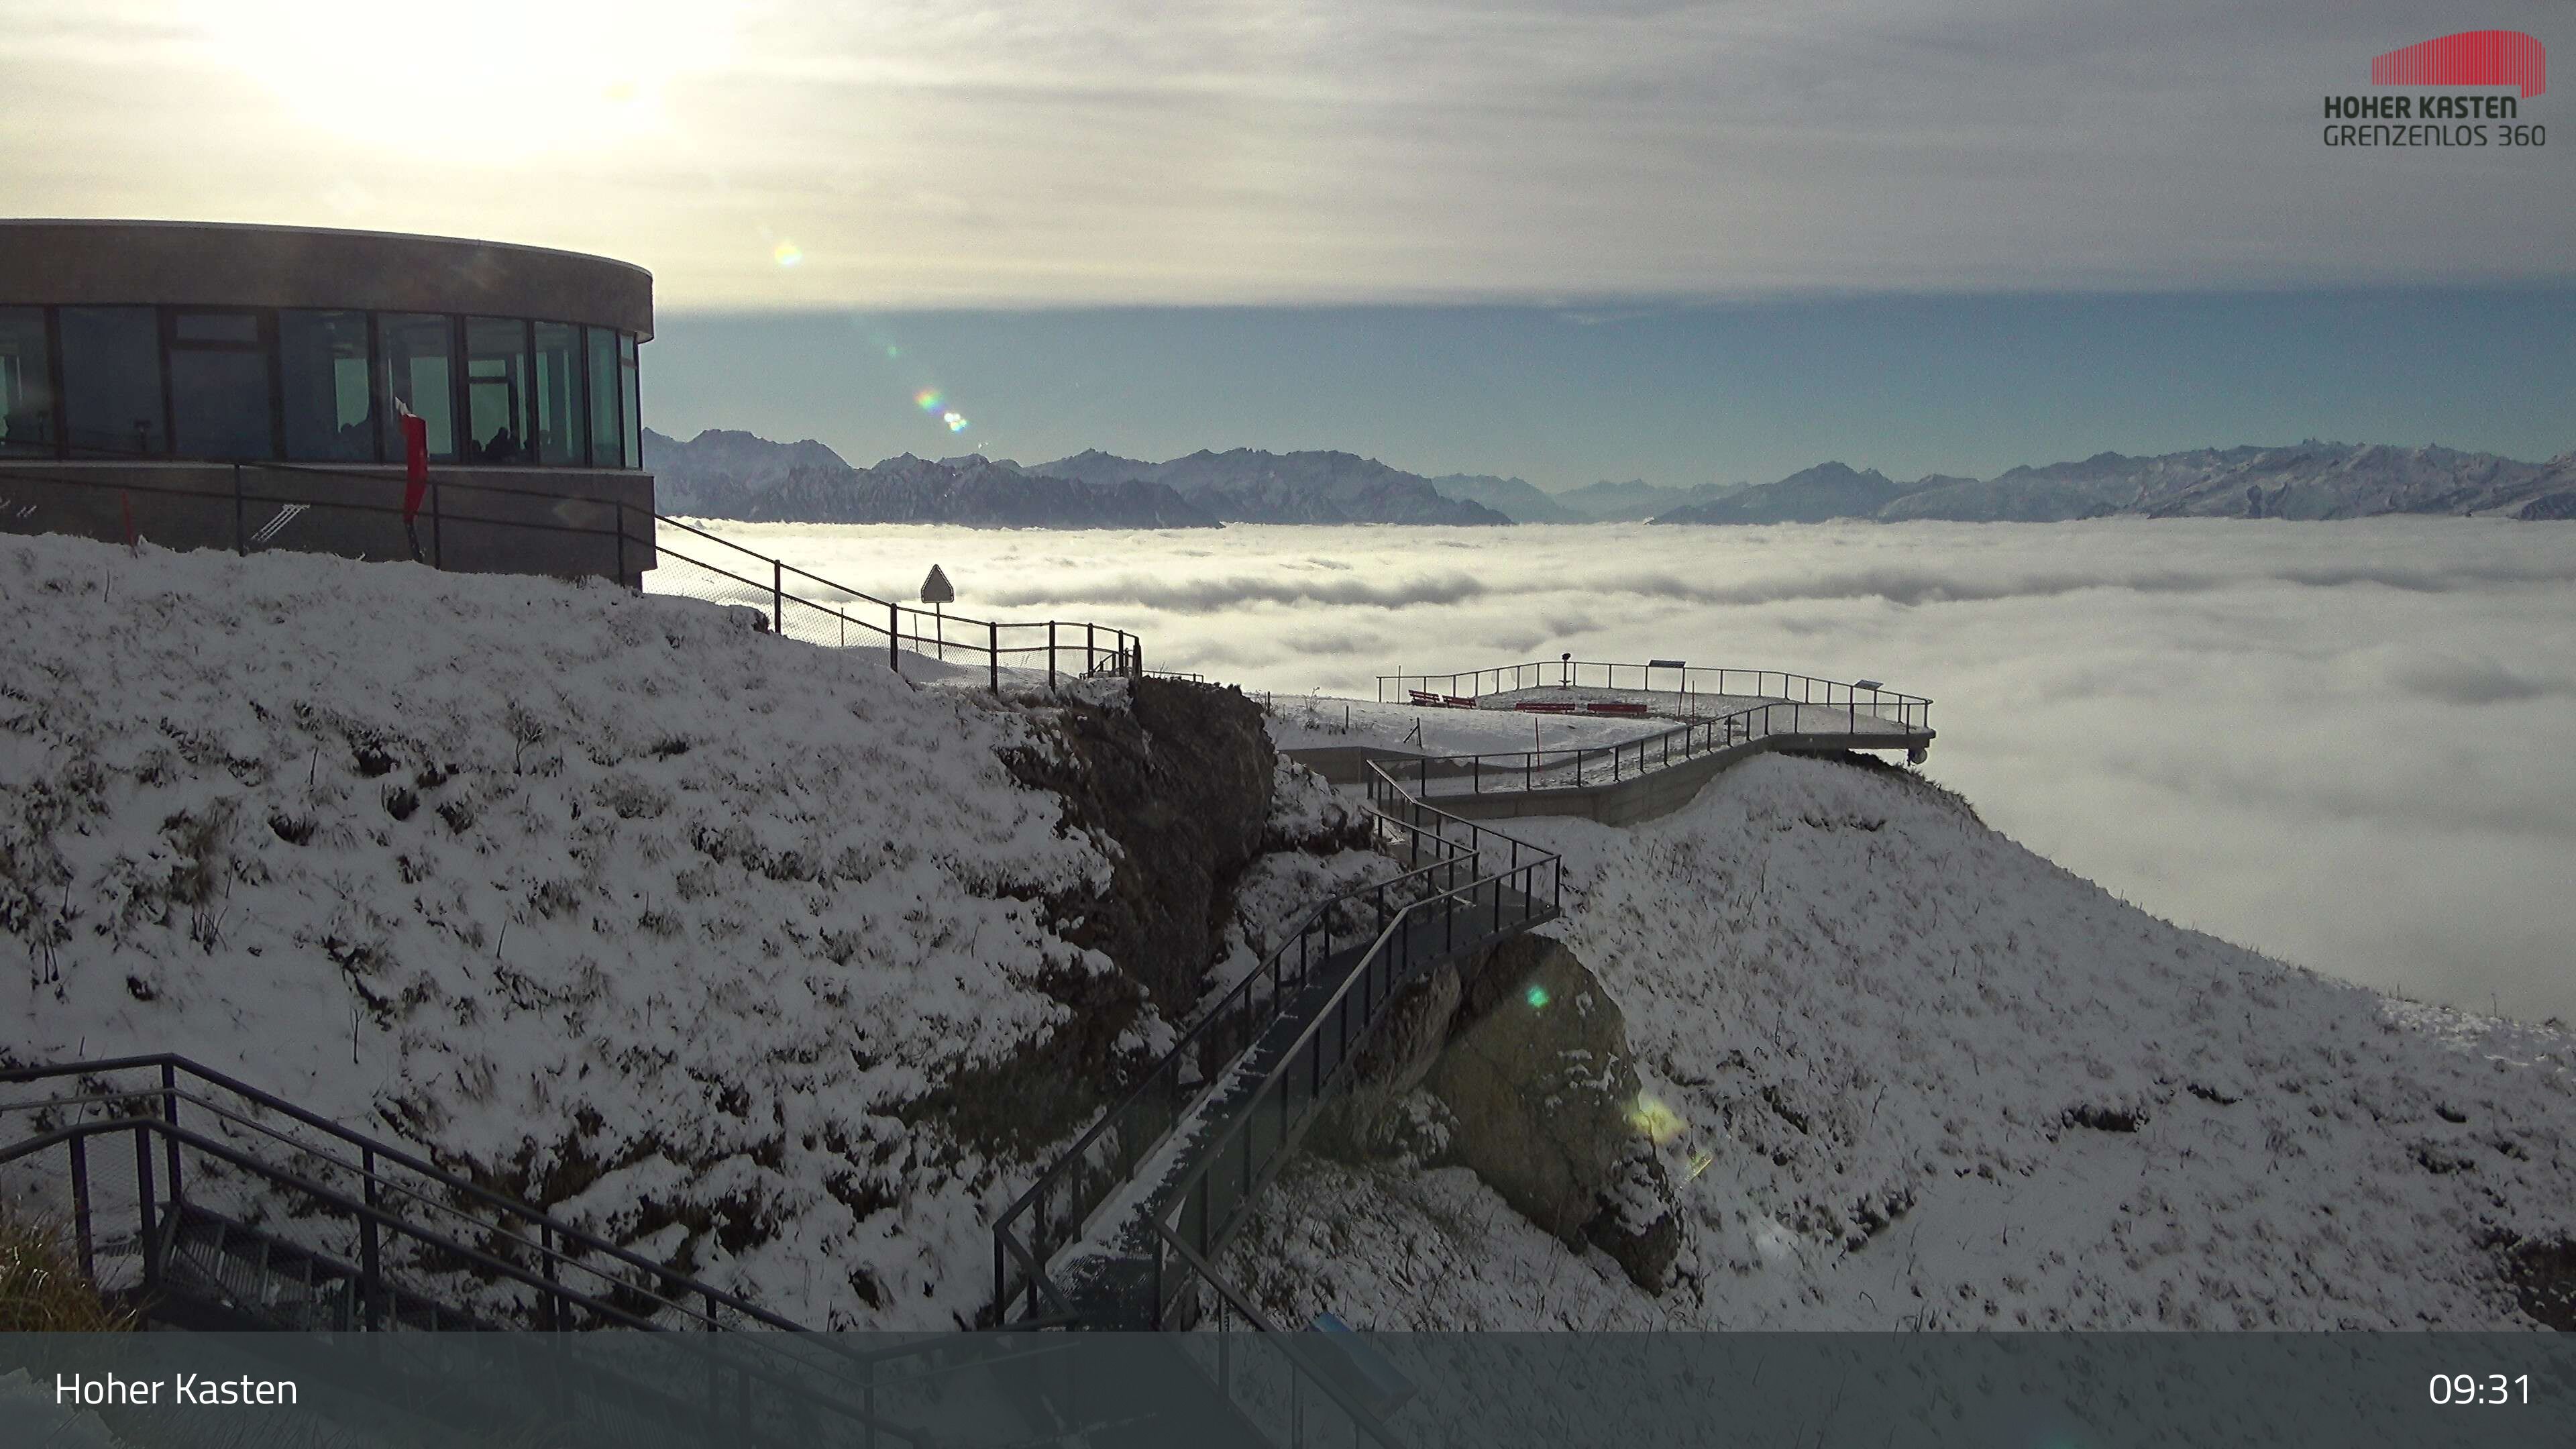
[[460, 522], [1698, 691], [816, 610]]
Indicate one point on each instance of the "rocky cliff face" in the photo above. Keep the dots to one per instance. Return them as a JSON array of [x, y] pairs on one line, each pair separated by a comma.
[[1175, 787]]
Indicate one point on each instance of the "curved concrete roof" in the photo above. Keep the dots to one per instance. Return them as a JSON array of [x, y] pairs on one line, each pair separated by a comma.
[[226, 265]]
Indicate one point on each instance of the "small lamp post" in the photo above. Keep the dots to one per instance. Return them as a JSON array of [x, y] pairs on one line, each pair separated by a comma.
[[1565, 662]]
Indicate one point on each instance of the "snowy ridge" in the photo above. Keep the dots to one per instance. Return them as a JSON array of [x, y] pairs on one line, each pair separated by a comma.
[[1911, 1075]]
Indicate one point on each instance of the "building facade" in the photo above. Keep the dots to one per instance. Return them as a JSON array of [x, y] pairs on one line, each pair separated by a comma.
[[247, 387]]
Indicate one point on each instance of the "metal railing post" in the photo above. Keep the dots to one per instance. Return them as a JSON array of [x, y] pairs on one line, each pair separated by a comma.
[[371, 1261], [1050, 653], [80, 1206], [993, 654], [552, 1318], [170, 1114], [151, 1225], [777, 597], [894, 638]]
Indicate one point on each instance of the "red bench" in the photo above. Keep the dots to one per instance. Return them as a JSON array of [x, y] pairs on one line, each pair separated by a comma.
[[1612, 706], [1531, 706], [1425, 700], [1430, 700], [1459, 701]]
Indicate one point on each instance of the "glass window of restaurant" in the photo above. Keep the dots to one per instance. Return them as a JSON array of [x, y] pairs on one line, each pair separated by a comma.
[[606, 434], [561, 438], [418, 353], [219, 385], [112, 403], [634, 412], [496, 391], [26, 383], [330, 410]]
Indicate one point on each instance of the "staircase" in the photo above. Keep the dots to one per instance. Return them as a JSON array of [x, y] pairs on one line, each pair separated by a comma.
[[1119, 1232], [203, 1203]]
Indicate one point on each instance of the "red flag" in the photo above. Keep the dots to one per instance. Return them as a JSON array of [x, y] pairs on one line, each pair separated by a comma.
[[415, 431]]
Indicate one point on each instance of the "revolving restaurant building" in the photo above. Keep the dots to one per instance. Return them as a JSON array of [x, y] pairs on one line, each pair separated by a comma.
[[246, 387]]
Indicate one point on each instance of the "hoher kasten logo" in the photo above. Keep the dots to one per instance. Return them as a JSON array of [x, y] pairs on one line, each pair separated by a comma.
[[2473, 60]]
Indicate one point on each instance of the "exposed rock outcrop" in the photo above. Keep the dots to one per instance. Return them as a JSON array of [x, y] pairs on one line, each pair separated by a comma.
[[1178, 785], [1518, 1067], [1548, 1109]]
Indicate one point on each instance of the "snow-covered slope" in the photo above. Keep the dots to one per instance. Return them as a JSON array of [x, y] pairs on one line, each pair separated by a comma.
[[676, 926], [1910, 1075]]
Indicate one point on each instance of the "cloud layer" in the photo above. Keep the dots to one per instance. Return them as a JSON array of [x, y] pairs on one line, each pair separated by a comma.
[[2342, 743]]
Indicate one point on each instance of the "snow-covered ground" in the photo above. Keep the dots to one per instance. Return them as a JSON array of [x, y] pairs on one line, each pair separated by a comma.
[[1302, 721], [615, 892], [1911, 1075], [570, 885]]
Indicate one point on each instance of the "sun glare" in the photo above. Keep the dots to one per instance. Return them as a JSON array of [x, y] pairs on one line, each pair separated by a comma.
[[509, 78]]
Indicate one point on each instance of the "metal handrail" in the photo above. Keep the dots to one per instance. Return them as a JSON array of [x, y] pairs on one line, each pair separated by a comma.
[[902, 626], [170, 1064], [1521, 771], [1095, 642], [1166, 1075], [1031, 1258], [172, 1136], [1177, 1195], [1912, 710], [1361, 1417], [542, 1245]]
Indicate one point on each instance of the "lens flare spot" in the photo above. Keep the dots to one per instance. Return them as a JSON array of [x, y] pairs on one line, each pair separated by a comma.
[[928, 399], [1659, 1123], [893, 351], [956, 421], [1536, 996], [787, 253]]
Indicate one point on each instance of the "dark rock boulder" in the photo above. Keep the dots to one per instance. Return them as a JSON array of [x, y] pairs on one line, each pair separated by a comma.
[[1547, 1108]]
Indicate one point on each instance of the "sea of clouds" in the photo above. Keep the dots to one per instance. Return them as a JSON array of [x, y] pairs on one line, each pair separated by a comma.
[[2351, 745]]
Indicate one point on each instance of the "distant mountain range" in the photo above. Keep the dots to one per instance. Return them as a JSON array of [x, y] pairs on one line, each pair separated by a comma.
[[725, 474], [722, 474], [1637, 499], [1826, 491], [2313, 480], [1246, 485]]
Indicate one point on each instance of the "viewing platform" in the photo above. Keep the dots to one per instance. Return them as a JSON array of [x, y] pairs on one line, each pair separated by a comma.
[[1719, 716]]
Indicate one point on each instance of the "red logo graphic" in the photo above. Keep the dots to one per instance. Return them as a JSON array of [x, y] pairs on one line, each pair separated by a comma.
[[2470, 58]]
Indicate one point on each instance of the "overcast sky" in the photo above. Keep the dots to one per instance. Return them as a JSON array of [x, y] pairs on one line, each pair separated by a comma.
[[796, 156]]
